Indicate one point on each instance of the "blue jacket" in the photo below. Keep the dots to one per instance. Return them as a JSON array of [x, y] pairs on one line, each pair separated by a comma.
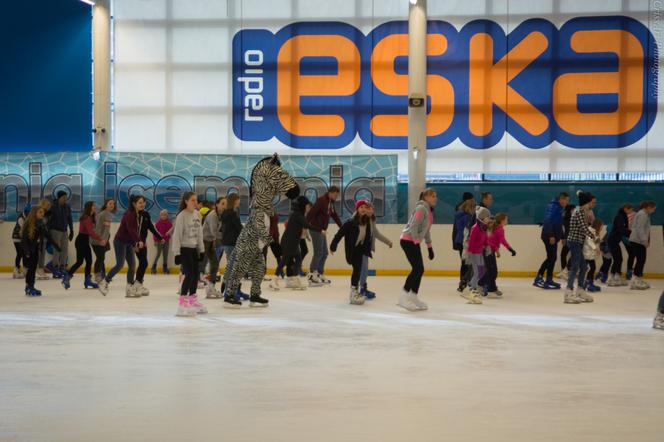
[[461, 221], [552, 226]]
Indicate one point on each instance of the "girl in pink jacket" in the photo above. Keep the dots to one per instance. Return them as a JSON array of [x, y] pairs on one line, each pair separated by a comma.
[[496, 239], [477, 242]]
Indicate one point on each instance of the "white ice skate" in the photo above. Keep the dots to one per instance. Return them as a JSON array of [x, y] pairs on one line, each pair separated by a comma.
[[323, 279], [314, 280], [41, 275], [130, 291], [184, 309], [196, 306], [295, 283], [421, 305], [18, 273], [103, 287], [355, 297], [562, 275], [211, 292], [141, 289], [613, 281], [406, 301], [275, 284], [584, 296], [570, 297], [638, 284], [658, 323], [474, 297]]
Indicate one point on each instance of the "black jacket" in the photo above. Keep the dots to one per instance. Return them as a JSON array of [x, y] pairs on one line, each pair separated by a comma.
[[350, 231], [59, 217], [620, 227], [290, 240], [231, 227], [32, 247], [146, 225]]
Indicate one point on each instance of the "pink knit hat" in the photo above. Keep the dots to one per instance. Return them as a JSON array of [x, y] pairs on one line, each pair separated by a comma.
[[360, 203]]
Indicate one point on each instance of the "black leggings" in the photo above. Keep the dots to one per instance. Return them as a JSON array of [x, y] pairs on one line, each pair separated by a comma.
[[83, 253], [414, 256], [590, 276], [292, 263], [189, 263], [606, 265], [356, 262], [616, 254], [660, 306], [19, 256], [100, 257], [630, 257], [31, 266], [564, 253], [142, 255], [550, 261], [276, 251], [640, 254], [465, 271]]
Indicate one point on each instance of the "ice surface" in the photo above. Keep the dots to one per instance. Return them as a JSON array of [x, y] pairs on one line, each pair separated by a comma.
[[76, 366]]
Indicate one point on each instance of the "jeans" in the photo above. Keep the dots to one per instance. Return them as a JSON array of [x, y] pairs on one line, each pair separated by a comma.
[[62, 240], [550, 261], [123, 252], [319, 257], [577, 265], [414, 256], [213, 261], [161, 249]]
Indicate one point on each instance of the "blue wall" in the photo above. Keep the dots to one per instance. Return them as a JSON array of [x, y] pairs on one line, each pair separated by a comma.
[[45, 76]]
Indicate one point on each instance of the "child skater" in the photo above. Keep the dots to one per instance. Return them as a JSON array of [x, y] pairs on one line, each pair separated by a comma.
[[576, 238], [165, 227], [357, 242], [639, 241], [464, 219], [376, 235], [477, 243], [658, 323], [86, 230], [127, 240], [496, 239], [232, 226], [619, 230], [188, 248], [291, 256], [144, 226], [42, 273], [591, 249], [552, 234], [211, 238], [103, 221], [16, 239], [33, 235], [418, 228]]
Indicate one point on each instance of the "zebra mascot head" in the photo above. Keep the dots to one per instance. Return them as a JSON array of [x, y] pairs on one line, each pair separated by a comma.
[[269, 179]]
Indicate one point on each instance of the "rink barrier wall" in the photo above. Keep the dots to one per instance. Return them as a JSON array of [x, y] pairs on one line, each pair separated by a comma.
[[525, 239]]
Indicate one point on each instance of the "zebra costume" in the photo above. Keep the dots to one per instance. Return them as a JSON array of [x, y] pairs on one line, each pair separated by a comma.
[[268, 179]]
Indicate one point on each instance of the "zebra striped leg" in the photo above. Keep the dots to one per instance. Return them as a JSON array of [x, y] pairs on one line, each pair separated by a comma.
[[257, 273]]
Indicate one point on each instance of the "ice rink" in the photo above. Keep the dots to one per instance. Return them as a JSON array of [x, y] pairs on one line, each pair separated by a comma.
[[77, 366]]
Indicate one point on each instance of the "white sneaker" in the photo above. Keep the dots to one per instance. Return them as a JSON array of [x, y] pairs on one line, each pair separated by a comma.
[[130, 291], [421, 305], [141, 289], [184, 309], [314, 281], [18, 273], [474, 297], [323, 279], [570, 297], [658, 323], [103, 287], [406, 301], [562, 275], [356, 298], [41, 275], [211, 292], [274, 284], [584, 296]]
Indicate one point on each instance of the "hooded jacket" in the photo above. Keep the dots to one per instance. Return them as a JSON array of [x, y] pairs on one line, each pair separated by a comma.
[[552, 225]]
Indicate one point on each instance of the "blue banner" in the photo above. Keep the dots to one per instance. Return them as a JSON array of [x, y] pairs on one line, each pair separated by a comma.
[[163, 178]]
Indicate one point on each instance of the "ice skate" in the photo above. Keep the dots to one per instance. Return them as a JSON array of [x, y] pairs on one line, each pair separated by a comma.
[[41, 275], [323, 279], [314, 281], [658, 323], [592, 288], [87, 283], [18, 273], [583, 296], [562, 275], [355, 297], [231, 302], [474, 297], [184, 309], [97, 277], [103, 287], [539, 282], [130, 291], [638, 284], [368, 293], [141, 289], [66, 280], [275, 284], [406, 301], [570, 297], [295, 283], [421, 305], [496, 294], [211, 292], [199, 308], [257, 301], [31, 291], [613, 281]]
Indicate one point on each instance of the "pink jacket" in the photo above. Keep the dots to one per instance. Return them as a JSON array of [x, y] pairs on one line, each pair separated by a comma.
[[478, 238], [163, 227], [497, 238]]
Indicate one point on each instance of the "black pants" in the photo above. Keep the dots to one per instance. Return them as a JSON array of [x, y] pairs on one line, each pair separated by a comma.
[[189, 259], [414, 256], [606, 265], [19, 256], [564, 253], [465, 271], [590, 263], [83, 253], [293, 264], [616, 254], [550, 261], [631, 257], [488, 280], [660, 306], [142, 255], [356, 263], [213, 261], [100, 257], [639, 252], [276, 251], [31, 266]]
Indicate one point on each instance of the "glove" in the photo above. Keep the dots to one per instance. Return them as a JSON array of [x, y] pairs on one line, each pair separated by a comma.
[[178, 260], [513, 252], [201, 256], [71, 235], [430, 253]]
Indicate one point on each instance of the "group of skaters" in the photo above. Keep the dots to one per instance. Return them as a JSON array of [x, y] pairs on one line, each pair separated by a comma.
[[202, 233]]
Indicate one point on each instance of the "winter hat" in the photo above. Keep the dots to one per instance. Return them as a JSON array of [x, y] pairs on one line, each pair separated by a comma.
[[27, 209], [204, 211], [483, 213], [584, 197], [467, 196], [361, 203], [60, 194]]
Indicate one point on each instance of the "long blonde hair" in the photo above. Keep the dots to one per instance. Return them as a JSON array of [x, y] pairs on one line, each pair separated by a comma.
[[30, 225]]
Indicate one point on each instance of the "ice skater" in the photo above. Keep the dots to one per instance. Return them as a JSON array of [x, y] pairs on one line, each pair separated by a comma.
[[375, 235], [619, 231], [478, 243], [639, 241], [19, 272], [552, 233], [291, 255], [33, 235], [578, 232], [103, 221], [496, 239]]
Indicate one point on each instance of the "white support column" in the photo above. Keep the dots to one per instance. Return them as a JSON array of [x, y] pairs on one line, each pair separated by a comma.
[[101, 52], [417, 85]]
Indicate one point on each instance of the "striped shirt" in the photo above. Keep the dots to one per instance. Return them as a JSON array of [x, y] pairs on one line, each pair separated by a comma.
[[578, 227]]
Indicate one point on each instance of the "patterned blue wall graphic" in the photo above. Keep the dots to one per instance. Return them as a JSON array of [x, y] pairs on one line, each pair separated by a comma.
[[163, 178]]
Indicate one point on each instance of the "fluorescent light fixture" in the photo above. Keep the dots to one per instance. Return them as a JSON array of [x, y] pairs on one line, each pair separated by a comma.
[[92, 3], [412, 2]]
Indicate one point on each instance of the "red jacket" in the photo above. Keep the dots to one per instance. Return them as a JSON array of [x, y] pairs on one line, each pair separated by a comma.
[[87, 227], [319, 215]]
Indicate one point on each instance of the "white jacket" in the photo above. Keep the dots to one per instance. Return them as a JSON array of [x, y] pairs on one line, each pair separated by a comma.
[[591, 246]]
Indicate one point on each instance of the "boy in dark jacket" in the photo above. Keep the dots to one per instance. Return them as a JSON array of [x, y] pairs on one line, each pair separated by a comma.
[[59, 220], [619, 231], [290, 243], [357, 234], [552, 233]]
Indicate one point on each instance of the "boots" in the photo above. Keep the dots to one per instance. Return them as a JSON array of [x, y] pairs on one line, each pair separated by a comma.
[[89, 284], [355, 297], [539, 281], [591, 287], [367, 293], [66, 280]]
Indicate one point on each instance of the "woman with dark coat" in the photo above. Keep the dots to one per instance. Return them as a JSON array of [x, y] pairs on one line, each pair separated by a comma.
[[291, 255]]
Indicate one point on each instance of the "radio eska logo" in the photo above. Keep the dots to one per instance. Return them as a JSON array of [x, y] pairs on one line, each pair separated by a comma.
[[315, 85]]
